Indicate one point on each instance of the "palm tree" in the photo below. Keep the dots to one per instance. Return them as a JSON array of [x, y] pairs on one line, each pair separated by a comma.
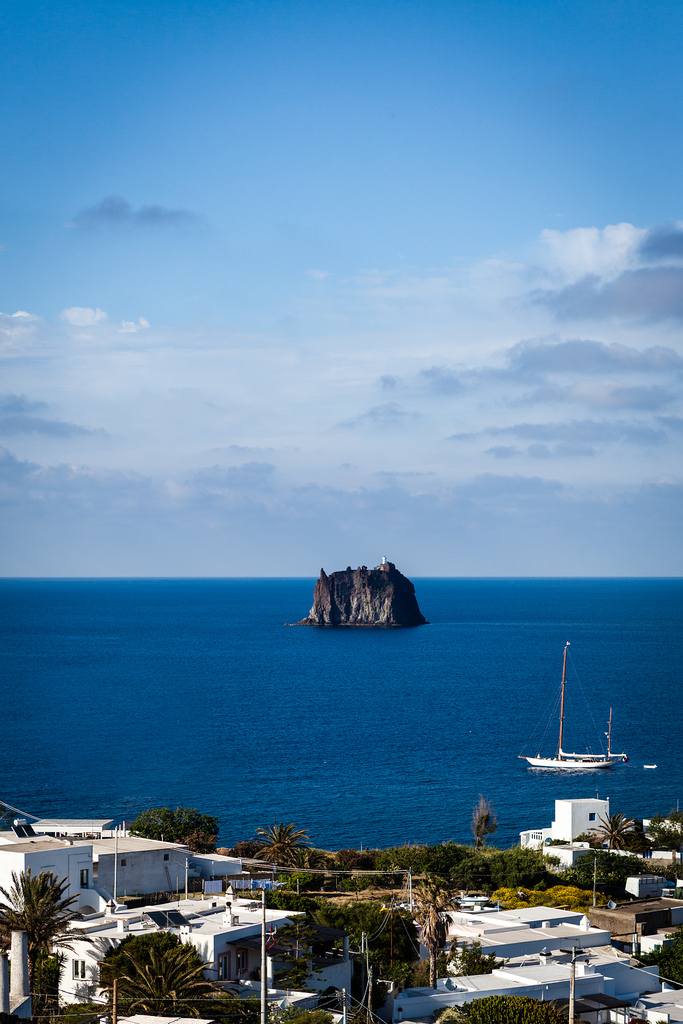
[[168, 983], [282, 843], [36, 905], [615, 830], [433, 900], [310, 859]]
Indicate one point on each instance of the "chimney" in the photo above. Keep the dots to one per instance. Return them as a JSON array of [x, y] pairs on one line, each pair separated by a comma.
[[19, 990], [122, 925]]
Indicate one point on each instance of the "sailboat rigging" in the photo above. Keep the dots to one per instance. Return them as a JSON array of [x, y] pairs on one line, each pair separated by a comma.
[[575, 761]]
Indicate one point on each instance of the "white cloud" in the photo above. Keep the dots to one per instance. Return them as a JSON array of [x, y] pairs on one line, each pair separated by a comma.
[[319, 275], [130, 327], [15, 325], [606, 252], [83, 316]]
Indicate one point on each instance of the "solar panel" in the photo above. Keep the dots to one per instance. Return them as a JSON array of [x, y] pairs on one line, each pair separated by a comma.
[[165, 918], [23, 830]]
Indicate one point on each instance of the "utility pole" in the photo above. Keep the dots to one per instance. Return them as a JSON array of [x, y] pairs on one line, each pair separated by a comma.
[[370, 994], [410, 888], [114, 1002], [186, 874], [572, 981], [116, 860], [595, 875], [264, 979], [362, 960], [391, 933], [344, 1013]]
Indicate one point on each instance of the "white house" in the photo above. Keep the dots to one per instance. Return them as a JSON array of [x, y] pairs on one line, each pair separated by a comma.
[[572, 819], [226, 935], [539, 977], [525, 932], [149, 865], [101, 869], [666, 1005], [63, 858]]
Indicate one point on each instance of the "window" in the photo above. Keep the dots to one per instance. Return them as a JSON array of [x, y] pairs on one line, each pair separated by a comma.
[[84, 879], [591, 817], [224, 967], [165, 856], [78, 968], [123, 863], [241, 961]]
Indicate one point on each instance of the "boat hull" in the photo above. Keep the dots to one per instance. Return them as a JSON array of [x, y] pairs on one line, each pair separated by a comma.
[[573, 764]]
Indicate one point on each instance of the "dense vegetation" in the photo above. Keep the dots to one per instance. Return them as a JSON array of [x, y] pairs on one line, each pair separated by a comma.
[[669, 959], [182, 825], [504, 1010], [159, 974]]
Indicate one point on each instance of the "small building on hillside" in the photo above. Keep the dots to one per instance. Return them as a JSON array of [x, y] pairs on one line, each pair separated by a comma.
[[572, 819]]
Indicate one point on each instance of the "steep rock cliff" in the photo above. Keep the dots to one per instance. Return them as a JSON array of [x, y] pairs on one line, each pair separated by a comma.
[[364, 597]]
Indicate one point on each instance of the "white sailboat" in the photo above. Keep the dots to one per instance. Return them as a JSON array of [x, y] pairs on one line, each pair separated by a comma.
[[573, 762]]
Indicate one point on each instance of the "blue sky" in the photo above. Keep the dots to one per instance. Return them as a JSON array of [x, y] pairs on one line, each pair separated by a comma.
[[291, 284]]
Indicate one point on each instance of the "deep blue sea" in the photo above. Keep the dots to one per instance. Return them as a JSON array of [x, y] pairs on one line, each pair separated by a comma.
[[118, 695]]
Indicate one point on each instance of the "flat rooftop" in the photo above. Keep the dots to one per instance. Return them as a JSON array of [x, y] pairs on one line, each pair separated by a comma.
[[35, 845], [87, 824], [205, 916], [134, 844], [638, 906]]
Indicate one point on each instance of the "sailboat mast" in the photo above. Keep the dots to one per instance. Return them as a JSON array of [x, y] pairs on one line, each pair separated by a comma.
[[609, 735], [564, 676]]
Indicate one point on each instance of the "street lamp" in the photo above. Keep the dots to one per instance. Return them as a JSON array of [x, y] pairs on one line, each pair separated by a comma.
[[572, 978]]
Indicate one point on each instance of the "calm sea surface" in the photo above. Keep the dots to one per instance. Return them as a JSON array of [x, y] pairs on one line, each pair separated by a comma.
[[119, 695]]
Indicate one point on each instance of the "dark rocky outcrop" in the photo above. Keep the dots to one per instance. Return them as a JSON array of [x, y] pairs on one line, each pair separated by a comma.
[[364, 597]]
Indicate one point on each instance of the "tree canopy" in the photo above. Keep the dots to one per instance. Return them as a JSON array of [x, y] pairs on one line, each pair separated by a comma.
[[509, 1010], [666, 833], [180, 825], [162, 983], [471, 959], [282, 843], [669, 958], [433, 899], [484, 821], [612, 869], [115, 962], [615, 830]]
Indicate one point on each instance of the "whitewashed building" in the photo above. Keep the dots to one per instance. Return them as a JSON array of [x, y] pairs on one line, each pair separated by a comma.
[[572, 819], [227, 936], [103, 869], [539, 977], [525, 932], [64, 858]]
